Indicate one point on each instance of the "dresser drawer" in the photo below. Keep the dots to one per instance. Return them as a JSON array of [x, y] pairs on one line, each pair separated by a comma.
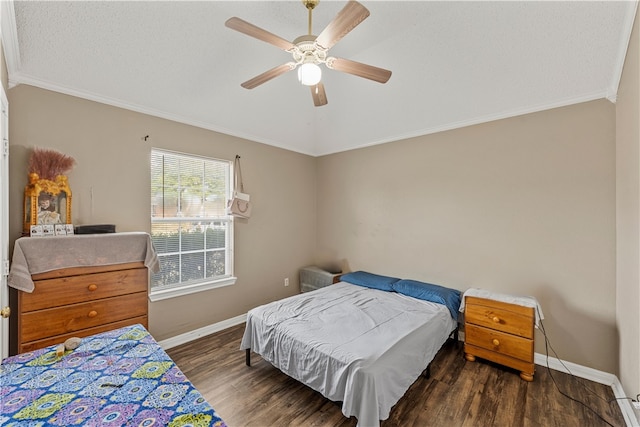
[[40, 324], [74, 289], [509, 318], [509, 345], [58, 339]]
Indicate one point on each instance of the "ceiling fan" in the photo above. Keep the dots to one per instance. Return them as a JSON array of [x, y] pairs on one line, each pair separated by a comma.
[[309, 51]]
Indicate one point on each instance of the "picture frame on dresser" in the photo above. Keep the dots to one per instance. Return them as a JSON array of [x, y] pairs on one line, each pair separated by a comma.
[[46, 202]]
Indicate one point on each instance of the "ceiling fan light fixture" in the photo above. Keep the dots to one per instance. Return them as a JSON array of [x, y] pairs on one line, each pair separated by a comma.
[[309, 74], [309, 51]]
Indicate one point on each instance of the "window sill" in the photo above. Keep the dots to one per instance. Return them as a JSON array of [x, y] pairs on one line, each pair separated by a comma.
[[190, 289]]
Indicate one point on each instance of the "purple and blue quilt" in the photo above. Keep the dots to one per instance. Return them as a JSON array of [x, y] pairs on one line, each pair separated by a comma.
[[116, 378]]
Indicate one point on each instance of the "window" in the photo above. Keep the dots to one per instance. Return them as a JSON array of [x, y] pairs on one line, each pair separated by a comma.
[[190, 229]]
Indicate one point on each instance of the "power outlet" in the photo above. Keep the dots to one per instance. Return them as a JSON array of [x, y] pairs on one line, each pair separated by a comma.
[[636, 405], [286, 281]]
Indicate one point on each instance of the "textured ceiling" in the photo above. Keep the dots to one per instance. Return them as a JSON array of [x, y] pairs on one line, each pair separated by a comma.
[[454, 63]]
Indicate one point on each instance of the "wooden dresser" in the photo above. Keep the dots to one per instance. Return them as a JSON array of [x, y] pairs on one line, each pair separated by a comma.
[[78, 285], [81, 301], [500, 332]]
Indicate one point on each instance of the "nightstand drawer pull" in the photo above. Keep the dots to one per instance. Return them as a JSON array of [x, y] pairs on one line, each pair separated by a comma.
[[495, 342], [92, 287], [92, 313], [496, 319]]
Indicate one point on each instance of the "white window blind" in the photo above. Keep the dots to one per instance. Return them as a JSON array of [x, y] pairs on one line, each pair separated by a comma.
[[190, 229]]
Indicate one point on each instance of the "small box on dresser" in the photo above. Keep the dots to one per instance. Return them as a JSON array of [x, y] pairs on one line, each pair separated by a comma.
[[500, 332], [312, 278]]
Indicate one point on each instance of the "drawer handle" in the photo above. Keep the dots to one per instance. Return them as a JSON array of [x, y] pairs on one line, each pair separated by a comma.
[[496, 319], [495, 342], [92, 313], [92, 287]]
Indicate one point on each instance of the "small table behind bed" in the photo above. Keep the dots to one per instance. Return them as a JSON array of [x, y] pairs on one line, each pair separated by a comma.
[[114, 378]]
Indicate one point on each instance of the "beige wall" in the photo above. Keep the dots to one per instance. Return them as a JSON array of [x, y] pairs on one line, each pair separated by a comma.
[[628, 215], [113, 165], [523, 205]]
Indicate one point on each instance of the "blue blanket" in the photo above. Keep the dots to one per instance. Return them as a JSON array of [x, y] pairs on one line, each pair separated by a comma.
[[120, 377]]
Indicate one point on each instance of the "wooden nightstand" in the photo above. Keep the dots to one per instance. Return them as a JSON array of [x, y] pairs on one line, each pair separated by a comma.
[[500, 332], [312, 278]]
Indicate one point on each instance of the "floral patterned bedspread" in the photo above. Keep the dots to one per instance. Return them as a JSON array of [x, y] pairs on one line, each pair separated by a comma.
[[120, 377]]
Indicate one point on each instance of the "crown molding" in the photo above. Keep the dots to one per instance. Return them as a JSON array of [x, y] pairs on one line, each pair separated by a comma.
[[10, 38], [477, 121], [627, 28], [19, 78]]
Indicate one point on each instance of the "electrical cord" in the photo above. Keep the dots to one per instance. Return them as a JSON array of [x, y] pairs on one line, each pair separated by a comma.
[[547, 346]]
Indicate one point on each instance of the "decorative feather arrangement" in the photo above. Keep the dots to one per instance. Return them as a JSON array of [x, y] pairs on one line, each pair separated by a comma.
[[49, 164]]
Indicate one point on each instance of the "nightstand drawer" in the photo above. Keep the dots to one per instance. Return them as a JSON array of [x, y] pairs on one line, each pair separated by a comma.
[[527, 369], [500, 316], [509, 345]]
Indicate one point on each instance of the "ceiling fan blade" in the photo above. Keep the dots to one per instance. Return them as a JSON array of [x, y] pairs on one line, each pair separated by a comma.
[[359, 69], [258, 33], [319, 95], [345, 21], [268, 75]]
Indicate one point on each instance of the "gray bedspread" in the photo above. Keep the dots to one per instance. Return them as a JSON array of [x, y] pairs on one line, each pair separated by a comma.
[[357, 345]]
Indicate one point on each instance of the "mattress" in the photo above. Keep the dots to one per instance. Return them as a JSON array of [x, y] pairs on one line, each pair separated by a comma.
[[359, 346], [119, 377]]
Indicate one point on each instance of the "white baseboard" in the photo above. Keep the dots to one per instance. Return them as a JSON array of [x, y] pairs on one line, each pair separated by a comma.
[[575, 369], [201, 332], [596, 376], [539, 359], [628, 413], [590, 374]]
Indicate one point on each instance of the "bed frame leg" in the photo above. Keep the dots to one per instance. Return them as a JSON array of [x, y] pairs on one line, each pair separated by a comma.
[[427, 372], [456, 337], [247, 357]]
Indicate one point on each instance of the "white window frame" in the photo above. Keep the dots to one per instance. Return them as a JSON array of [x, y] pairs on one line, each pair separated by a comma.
[[204, 284]]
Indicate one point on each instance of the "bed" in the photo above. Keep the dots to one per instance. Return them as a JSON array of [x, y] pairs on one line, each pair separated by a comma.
[[119, 377], [362, 341]]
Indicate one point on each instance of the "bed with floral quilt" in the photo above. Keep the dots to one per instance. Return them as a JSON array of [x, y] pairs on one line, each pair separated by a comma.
[[119, 377]]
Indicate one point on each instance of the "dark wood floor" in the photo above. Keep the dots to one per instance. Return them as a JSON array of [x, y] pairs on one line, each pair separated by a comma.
[[458, 393]]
